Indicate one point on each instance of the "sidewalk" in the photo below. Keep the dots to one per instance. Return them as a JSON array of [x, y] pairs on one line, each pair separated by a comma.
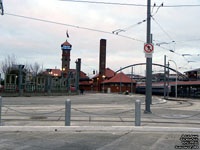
[[97, 138]]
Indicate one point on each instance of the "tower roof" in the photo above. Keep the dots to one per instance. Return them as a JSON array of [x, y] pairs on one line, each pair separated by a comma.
[[66, 43]]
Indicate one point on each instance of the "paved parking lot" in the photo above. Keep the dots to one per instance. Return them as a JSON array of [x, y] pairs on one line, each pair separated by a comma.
[[90, 140], [97, 110]]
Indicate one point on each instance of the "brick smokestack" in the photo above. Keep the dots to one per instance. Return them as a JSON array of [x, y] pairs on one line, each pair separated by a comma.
[[102, 57]]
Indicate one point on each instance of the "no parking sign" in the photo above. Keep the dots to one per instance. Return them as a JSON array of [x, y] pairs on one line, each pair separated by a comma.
[[148, 49]]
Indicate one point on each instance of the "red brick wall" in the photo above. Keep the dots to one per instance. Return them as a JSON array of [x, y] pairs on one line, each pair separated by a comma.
[[116, 89]]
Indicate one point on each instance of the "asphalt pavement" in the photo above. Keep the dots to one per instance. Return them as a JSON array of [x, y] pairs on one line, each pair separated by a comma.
[[170, 119], [85, 140]]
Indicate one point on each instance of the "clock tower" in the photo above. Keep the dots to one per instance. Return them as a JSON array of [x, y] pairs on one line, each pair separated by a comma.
[[66, 48]]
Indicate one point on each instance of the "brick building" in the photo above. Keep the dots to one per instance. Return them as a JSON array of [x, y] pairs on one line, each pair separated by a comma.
[[119, 83]]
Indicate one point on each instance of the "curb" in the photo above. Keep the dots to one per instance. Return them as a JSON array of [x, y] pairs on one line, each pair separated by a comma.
[[97, 128]]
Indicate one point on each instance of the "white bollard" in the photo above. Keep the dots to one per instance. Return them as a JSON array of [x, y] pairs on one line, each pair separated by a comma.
[[137, 112], [67, 112]]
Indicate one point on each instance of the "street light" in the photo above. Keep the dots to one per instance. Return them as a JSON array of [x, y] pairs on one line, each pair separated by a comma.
[[176, 75]]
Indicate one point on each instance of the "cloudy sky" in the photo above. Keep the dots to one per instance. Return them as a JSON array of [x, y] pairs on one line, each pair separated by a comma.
[[36, 41]]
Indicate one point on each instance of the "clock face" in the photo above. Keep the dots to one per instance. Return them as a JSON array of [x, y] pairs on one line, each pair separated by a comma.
[[66, 47]]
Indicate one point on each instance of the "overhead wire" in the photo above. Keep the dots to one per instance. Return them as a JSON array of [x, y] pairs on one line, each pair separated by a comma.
[[138, 23], [102, 31], [158, 7], [163, 29], [129, 27], [93, 69], [172, 40], [128, 4], [70, 25], [96, 30], [190, 40]]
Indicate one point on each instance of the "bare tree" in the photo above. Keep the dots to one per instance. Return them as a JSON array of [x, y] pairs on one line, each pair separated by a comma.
[[8, 62], [35, 68]]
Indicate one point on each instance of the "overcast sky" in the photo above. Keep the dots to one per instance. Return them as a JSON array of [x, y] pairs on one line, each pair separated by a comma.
[[35, 41]]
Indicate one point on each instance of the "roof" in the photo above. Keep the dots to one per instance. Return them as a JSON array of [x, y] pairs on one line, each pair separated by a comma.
[[66, 43], [85, 83], [57, 72], [120, 77], [198, 69], [108, 73], [54, 72], [173, 83], [82, 74]]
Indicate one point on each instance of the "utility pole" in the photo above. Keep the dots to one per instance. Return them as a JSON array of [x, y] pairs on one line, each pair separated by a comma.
[[148, 99], [20, 67], [48, 79], [168, 80], [0, 79], [1, 7], [120, 86], [165, 77], [131, 80], [78, 69]]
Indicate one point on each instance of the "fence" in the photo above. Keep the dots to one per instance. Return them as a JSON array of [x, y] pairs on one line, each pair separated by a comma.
[[39, 84]]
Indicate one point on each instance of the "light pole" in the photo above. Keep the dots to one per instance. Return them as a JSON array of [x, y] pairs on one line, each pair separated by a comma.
[[132, 81], [120, 86], [176, 75], [103, 76], [148, 98]]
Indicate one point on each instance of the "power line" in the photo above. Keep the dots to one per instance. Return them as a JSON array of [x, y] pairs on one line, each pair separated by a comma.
[[129, 27], [126, 4], [105, 3], [139, 23], [172, 51], [73, 26], [182, 5], [161, 5], [162, 29], [190, 40], [179, 54]]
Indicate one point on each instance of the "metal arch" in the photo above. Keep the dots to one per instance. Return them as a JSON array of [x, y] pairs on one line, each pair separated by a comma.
[[179, 73]]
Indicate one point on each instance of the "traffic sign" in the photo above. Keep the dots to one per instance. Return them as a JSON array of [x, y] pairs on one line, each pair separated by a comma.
[[148, 49]]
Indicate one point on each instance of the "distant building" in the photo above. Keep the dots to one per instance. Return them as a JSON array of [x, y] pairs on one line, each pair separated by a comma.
[[193, 75], [137, 78], [119, 83], [98, 79]]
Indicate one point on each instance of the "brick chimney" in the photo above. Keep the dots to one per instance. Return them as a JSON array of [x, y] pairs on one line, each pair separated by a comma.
[[102, 57]]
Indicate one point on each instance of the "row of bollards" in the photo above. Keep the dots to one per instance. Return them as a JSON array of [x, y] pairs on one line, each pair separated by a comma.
[[137, 112], [68, 112]]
